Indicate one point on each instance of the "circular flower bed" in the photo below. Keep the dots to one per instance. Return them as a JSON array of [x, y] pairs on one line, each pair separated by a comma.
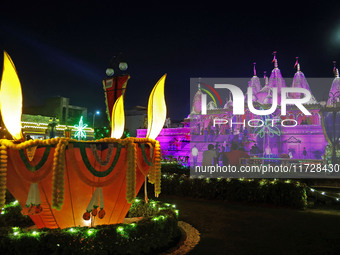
[[154, 231]]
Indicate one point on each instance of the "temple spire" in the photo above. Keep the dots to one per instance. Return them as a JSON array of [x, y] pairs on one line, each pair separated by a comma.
[[335, 70], [265, 78], [275, 60], [254, 68], [199, 83]]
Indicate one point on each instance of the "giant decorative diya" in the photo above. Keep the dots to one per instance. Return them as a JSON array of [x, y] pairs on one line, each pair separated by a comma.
[[62, 182]]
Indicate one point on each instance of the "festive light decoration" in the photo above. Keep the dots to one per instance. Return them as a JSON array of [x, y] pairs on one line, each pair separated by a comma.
[[63, 150], [156, 109], [267, 128], [80, 133], [118, 118], [3, 174], [11, 98], [155, 173], [123, 230], [44, 126], [30, 173]]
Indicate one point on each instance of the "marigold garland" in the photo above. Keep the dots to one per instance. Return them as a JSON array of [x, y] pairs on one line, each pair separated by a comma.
[[146, 167], [3, 175], [83, 177], [7, 144], [155, 172], [59, 164], [157, 169], [58, 174], [131, 172]]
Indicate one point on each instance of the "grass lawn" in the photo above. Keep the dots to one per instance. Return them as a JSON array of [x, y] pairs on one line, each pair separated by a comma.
[[233, 228]]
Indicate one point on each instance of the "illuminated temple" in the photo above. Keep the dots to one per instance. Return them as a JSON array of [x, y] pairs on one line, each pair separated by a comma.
[[309, 133]]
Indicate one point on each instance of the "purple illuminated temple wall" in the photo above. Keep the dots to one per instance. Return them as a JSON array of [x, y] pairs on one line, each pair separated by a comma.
[[175, 142], [271, 141], [276, 142]]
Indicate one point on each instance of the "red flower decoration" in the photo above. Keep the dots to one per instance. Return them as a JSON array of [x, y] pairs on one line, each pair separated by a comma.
[[94, 212], [101, 214], [86, 216]]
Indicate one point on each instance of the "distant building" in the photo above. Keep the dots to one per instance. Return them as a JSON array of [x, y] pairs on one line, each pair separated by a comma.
[[37, 127], [135, 118], [59, 107]]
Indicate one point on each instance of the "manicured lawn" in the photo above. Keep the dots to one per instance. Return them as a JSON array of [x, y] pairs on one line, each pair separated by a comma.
[[233, 228]]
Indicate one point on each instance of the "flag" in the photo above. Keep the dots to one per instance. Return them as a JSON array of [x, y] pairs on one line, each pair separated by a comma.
[[274, 53], [297, 62], [114, 87]]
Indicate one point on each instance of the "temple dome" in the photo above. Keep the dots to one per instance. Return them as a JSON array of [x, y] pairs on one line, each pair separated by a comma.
[[276, 80], [197, 105], [255, 82], [334, 93], [262, 94], [300, 81], [211, 105], [268, 99], [229, 103]]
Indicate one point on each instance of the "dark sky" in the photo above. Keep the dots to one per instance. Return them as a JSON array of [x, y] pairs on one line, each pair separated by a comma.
[[64, 49]]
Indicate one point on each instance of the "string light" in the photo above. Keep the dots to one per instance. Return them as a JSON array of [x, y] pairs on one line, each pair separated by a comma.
[[122, 230], [35, 233], [323, 193], [90, 232], [264, 181], [36, 125], [72, 230]]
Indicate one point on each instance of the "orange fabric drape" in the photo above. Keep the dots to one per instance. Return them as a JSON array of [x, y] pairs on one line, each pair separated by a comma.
[[79, 186]]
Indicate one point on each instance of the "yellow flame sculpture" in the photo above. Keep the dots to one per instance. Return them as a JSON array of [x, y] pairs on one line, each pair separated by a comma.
[[118, 118], [11, 98], [156, 109]]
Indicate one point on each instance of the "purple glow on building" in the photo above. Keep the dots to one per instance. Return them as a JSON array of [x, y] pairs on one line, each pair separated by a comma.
[[306, 140]]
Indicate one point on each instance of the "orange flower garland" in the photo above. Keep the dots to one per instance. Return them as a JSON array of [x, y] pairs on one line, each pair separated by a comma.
[[131, 172], [58, 174], [59, 165], [157, 169], [3, 175], [4, 145], [155, 172]]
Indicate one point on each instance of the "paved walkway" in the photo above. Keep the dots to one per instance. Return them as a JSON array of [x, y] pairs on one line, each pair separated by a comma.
[[233, 228]]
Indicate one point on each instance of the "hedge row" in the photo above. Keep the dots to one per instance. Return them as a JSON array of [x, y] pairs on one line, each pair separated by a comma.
[[176, 181], [153, 233]]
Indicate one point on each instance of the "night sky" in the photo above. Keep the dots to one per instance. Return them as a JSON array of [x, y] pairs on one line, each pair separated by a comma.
[[65, 49]]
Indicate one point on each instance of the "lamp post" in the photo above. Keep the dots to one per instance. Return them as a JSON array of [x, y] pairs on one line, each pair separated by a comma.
[[117, 64], [332, 106], [115, 83], [94, 115], [53, 122]]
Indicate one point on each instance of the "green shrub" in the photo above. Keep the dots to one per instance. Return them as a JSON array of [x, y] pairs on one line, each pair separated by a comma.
[[278, 192], [156, 231]]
